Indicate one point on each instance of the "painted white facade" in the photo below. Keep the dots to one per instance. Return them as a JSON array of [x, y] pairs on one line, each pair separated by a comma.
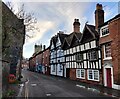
[[58, 59]]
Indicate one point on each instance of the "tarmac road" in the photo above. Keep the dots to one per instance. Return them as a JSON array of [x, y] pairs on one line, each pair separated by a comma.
[[40, 85]]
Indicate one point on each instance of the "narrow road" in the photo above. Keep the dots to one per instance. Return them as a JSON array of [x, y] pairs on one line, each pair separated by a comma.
[[39, 85]]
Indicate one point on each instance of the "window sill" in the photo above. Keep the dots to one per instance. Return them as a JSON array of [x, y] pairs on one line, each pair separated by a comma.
[[93, 80], [104, 35], [80, 78], [108, 58]]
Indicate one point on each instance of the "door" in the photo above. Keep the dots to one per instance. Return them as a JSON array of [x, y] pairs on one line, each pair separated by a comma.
[[67, 72], [108, 74]]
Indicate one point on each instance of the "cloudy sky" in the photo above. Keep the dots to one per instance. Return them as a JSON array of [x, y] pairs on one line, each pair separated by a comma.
[[59, 15]]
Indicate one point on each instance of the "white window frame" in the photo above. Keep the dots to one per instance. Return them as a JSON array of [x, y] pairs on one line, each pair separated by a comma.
[[93, 76], [104, 27], [53, 69], [80, 75], [106, 58]]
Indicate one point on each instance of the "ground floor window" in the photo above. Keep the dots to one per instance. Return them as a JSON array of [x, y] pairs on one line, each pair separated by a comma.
[[93, 75], [80, 73], [53, 70]]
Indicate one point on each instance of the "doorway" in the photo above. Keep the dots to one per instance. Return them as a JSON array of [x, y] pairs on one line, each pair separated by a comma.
[[67, 72], [108, 77]]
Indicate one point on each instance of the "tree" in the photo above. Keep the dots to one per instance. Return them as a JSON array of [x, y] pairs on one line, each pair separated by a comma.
[[29, 19]]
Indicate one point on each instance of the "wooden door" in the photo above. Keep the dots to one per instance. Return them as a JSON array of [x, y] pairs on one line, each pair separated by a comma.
[[67, 72], [108, 74]]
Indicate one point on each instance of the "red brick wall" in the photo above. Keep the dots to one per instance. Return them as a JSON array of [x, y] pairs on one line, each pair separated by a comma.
[[114, 28], [46, 57], [90, 81], [46, 60], [72, 74], [105, 39]]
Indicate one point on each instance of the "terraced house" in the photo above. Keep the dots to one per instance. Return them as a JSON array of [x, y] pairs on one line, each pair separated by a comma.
[[69, 49], [83, 55], [92, 56], [110, 45], [57, 55]]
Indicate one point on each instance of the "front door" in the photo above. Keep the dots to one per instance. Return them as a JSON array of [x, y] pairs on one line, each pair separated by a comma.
[[67, 72], [108, 74]]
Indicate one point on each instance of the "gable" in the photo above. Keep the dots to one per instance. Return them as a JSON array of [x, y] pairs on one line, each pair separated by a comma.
[[74, 40], [87, 35], [58, 43], [65, 44], [52, 45]]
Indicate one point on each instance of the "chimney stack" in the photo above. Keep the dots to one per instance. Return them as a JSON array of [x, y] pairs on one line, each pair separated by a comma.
[[44, 47], [76, 25], [99, 16]]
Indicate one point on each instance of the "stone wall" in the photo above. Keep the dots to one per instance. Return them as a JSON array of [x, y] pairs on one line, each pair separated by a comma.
[[5, 73], [13, 35]]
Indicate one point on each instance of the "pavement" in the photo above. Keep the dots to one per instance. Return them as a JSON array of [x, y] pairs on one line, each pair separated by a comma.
[[100, 89], [20, 89]]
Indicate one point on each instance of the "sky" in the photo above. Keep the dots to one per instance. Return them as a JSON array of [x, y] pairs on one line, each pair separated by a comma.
[[58, 15]]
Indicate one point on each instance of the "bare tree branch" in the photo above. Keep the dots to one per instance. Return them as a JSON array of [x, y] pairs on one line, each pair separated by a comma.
[[29, 19]]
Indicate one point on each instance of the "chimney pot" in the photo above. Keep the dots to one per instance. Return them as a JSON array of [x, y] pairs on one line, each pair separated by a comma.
[[76, 25]]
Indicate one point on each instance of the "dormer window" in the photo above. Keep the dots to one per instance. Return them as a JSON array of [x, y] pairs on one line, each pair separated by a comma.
[[104, 31]]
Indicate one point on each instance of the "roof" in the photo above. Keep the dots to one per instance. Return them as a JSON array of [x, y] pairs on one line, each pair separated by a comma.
[[62, 37], [92, 30], [105, 23], [59, 35], [72, 36], [89, 33]]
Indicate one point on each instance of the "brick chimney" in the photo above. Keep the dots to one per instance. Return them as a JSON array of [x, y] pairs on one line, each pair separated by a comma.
[[99, 16], [76, 26]]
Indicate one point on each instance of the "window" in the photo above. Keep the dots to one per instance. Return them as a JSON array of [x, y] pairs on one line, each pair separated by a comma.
[[80, 73], [93, 55], [104, 31], [79, 57], [93, 75], [107, 50], [53, 68], [61, 67]]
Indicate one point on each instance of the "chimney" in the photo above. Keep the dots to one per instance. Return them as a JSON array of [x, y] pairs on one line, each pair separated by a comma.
[[76, 26], [99, 16], [44, 47]]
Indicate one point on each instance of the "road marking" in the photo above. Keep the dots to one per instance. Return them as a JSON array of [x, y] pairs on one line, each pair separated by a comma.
[[48, 94], [26, 89], [20, 91], [80, 86], [33, 85]]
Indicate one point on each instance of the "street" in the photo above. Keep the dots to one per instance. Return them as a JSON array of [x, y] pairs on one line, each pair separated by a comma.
[[40, 85]]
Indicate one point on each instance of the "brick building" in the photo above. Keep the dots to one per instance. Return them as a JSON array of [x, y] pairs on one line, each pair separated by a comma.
[[39, 62], [46, 61], [32, 63], [110, 46]]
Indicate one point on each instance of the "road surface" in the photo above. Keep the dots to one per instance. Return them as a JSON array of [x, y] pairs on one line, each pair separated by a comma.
[[40, 85]]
